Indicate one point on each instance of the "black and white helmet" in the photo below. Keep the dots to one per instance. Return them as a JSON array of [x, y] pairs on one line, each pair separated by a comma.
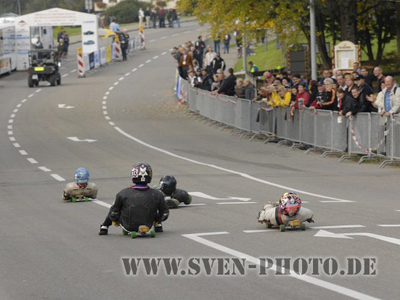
[[141, 173]]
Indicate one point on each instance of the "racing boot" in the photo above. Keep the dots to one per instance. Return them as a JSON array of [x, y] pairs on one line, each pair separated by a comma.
[[171, 202], [158, 227], [103, 230]]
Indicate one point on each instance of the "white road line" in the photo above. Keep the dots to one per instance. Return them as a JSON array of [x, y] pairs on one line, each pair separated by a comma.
[[187, 31], [111, 88], [15, 110], [32, 160], [389, 225], [12, 116], [37, 91], [104, 107], [72, 71], [155, 57], [127, 74], [152, 41], [111, 123], [171, 49], [227, 170], [57, 177], [44, 169], [147, 61], [309, 279], [397, 209], [337, 227], [10, 121], [194, 204], [16, 145], [105, 112], [175, 34], [116, 83], [163, 53], [30, 96], [23, 152], [107, 93], [65, 75], [258, 231], [9, 127], [141, 65], [221, 203], [10, 132], [12, 139], [122, 78], [101, 203], [19, 105], [104, 102], [107, 118], [23, 101], [134, 70], [163, 38]]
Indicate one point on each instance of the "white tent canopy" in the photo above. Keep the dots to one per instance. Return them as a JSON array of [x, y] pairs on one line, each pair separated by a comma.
[[54, 17]]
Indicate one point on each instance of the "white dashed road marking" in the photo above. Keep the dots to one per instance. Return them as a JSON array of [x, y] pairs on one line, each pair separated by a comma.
[[141, 65], [147, 61], [163, 53], [44, 169], [32, 161], [155, 57], [12, 139], [57, 177], [23, 152], [37, 91], [16, 145]]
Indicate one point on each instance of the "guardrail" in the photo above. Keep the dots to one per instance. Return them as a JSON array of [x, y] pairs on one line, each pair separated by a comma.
[[365, 136]]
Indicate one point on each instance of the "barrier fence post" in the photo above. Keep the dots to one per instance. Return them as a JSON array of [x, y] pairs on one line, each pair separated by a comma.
[[117, 45], [81, 65]]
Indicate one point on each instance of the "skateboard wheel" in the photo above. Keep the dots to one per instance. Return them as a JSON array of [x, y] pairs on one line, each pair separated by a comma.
[[282, 228], [73, 199], [124, 232], [86, 199], [303, 226], [152, 233], [133, 235], [269, 225]]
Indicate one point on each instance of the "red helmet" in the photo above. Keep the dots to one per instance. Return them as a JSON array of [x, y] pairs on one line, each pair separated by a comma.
[[290, 204]]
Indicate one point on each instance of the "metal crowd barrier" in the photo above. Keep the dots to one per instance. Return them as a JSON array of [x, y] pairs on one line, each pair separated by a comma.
[[366, 135]]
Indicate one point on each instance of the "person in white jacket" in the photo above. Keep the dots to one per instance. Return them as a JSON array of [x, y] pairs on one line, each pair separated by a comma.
[[209, 57], [288, 209], [141, 17], [388, 100]]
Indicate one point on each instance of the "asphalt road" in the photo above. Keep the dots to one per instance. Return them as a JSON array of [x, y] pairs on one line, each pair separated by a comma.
[[51, 250]]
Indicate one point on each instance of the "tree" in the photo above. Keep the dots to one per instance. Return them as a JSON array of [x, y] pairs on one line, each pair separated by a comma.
[[125, 11]]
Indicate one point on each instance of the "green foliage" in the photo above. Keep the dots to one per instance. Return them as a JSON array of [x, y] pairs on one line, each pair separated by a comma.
[[126, 11]]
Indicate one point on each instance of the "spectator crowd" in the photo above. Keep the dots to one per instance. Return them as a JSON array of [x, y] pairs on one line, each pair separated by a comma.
[[348, 93]]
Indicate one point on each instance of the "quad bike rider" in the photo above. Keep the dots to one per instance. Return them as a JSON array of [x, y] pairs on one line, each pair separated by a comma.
[[288, 212], [138, 205], [81, 189]]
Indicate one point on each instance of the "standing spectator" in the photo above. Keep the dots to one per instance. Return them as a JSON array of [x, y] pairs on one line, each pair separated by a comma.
[[325, 74], [38, 44], [329, 100], [340, 82], [368, 78], [176, 18], [200, 46], [217, 44], [227, 41], [253, 68], [147, 15], [302, 96], [316, 103], [112, 24], [60, 34], [197, 56], [240, 88], [115, 26], [218, 78], [209, 57], [388, 100], [347, 103], [153, 17], [124, 40], [349, 84], [249, 92], [161, 16], [169, 18], [218, 63], [356, 67], [140, 17], [61, 48], [364, 91], [380, 78], [313, 92], [186, 62], [206, 79], [281, 97], [228, 85], [66, 42], [297, 80]]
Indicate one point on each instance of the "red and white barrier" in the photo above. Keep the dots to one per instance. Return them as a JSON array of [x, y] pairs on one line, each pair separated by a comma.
[[117, 49], [81, 64]]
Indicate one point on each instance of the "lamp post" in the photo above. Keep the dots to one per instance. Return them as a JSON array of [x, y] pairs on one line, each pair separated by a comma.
[[312, 42]]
